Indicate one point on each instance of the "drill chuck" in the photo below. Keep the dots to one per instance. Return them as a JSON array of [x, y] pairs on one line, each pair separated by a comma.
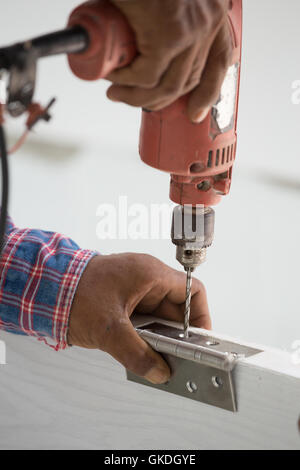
[[192, 233]]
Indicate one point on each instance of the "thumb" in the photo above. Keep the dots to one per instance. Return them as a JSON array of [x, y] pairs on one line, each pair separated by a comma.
[[128, 348]]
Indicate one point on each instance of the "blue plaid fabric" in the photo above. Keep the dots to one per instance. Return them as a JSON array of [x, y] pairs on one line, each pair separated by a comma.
[[39, 275]]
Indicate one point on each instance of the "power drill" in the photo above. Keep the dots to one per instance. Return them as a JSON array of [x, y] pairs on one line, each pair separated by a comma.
[[199, 157]]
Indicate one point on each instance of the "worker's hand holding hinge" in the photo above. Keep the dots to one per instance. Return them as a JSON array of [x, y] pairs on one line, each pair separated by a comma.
[[111, 289], [184, 46]]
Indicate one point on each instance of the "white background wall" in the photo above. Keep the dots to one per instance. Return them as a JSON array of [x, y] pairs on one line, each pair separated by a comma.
[[88, 155]]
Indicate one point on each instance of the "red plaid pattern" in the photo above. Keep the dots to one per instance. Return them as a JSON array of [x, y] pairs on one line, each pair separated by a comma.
[[39, 275]]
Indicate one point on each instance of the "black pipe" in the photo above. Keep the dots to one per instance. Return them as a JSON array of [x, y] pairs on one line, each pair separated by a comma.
[[66, 41]]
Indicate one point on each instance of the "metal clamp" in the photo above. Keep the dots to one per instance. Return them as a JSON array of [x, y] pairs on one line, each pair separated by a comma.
[[201, 365]]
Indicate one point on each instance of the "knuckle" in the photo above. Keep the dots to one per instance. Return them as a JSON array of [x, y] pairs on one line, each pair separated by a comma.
[[193, 81], [210, 21], [218, 6], [171, 89], [151, 82], [150, 259], [150, 79], [198, 64], [146, 267], [218, 9], [148, 72], [180, 32], [131, 258], [175, 38], [153, 264], [155, 270]]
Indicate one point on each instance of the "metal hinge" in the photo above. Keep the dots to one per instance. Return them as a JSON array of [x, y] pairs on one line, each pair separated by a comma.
[[202, 366]]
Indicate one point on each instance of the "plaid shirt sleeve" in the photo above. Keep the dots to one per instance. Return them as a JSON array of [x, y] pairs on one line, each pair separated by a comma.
[[39, 275]]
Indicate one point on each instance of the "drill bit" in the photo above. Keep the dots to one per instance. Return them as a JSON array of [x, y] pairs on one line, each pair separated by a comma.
[[187, 302]]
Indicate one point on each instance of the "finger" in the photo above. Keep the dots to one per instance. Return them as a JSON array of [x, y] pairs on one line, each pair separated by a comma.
[[174, 306], [193, 79], [126, 346], [208, 91], [172, 85], [144, 71], [167, 299], [200, 317]]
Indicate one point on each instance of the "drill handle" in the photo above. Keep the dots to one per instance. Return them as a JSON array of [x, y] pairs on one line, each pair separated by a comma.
[[112, 42]]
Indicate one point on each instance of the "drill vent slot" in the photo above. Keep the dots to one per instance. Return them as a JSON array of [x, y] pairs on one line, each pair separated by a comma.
[[222, 156], [210, 158]]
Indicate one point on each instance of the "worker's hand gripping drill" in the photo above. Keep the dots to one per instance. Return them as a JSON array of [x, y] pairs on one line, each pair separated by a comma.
[[184, 46]]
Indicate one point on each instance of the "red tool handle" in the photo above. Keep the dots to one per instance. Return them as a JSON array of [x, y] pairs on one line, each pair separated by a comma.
[[111, 40]]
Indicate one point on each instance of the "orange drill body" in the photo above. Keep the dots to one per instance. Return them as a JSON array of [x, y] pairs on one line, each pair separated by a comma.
[[199, 157]]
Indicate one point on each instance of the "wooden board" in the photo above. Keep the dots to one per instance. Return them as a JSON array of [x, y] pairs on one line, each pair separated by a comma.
[[80, 399]]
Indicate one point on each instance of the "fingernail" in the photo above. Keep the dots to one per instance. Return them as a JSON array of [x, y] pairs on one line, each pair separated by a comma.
[[200, 116], [158, 376]]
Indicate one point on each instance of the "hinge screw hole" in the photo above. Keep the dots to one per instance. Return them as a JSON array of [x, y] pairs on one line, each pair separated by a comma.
[[191, 386], [217, 381]]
